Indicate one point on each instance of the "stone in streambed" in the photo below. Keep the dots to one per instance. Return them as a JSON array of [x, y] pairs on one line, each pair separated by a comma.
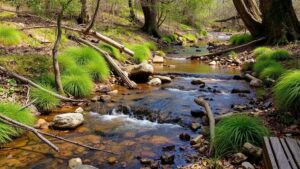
[[195, 126], [164, 79], [85, 167], [67, 121], [234, 91], [158, 59], [237, 158], [247, 165], [184, 137], [112, 160], [167, 158], [105, 98], [41, 124], [74, 162], [114, 92], [197, 82], [145, 161], [141, 72], [197, 113], [155, 82], [79, 110], [197, 140]]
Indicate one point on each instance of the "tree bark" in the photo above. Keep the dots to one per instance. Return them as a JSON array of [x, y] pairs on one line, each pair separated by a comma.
[[280, 20], [132, 16], [94, 17], [251, 16], [84, 16], [150, 14]]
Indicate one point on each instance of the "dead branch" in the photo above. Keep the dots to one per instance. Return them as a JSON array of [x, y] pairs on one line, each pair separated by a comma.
[[110, 60], [28, 128], [90, 26], [229, 19], [25, 80], [212, 55], [201, 102], [28, 104]]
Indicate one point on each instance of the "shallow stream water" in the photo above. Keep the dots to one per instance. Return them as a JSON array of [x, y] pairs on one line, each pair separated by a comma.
[[132, 135]]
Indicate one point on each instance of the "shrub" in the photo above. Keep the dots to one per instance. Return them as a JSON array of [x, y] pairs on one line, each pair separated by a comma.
[[280, 54], [82, 55], [98, 70], [9, 36], [78, 86], [151, 45], [240, 39], [261, 50], [43, 100], [232, 132], [272, 72], [113, 52], [287, 92], [259, 66], [13, 111], [141, 53]]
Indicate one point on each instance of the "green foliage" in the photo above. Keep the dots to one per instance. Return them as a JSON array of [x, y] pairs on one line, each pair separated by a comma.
[[259, 66], [232, 55], [240, 39], [13, 111], [65, 62], [272, 72], [76, 71], [44, 101], [6, 14], [202, 32], [280, 54], [113, 51], [190, 37], [47, 80], [287, 92], [232, 132], [98, 70], [9, 36], [169, 38], [151, 45], [141, 52], [82, 55], [78, 86], [261, 50]]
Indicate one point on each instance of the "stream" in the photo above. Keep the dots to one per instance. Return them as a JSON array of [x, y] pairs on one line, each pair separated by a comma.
[[141, 123]]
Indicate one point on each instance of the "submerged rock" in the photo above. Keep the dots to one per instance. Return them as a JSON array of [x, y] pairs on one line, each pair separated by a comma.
[[167, 158], [164, 79], [105, 98], [233, 91], [112, 160], [155, 82], [141, 72], [197, 82], [195, 126], [184, 137], [41, 124], [67, 121], [197, 113]]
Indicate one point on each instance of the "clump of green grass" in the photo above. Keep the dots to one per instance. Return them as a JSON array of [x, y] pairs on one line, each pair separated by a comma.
[[82, 55], [240, 39], [169, 38], [263, 64], [65, 62], [190, 37], [44, 101], [280, 54], [287, 92], [141, 52], [261, 50], [78, 86], [98, 70], [13, 111], [264, 56], [233, 132], [272, 72], [113, 52], [151, 45], [46, 79], [9, 36], [76, 71], [6, 14]]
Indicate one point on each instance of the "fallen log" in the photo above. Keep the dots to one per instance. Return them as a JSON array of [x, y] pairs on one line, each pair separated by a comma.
[[25, 80], [110, 60], [212, 55], [201, 102], [228, 19], [254, 82]]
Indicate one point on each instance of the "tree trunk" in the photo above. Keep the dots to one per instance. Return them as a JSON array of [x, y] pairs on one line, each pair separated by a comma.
[[132, 14], [150, 14], [251, 16], [280, 20], [84, 16]]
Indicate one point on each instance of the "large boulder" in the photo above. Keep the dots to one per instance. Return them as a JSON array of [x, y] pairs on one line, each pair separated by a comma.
[[67, 121], [141, 72]]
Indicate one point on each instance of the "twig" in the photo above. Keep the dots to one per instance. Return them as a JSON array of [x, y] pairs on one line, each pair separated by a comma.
[[28, 104]]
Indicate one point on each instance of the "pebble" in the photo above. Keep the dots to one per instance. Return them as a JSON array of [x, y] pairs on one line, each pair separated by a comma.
[[247, 165], [79, 110], [112, 160]]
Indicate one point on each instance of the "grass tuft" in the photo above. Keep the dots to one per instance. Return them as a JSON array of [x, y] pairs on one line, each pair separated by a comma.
[[287, 92], [280, 54], [169, 38], [44, 101], [113, 52], [98, 70], [9, 36], [151, 45], [82, 55], [141, 52], [12, 110], [65, 62], [261, 50], [232, 132], [240, 39], [272, 72], [259, 66], [78, 86]]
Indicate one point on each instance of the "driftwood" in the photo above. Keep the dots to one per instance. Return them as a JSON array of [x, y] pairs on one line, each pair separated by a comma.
[[250, 77], [25, 80], [28, 128], [201, 102], [110, 60], [212, 55]]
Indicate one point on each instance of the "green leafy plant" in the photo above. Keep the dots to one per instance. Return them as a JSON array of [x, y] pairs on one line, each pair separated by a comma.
[[272, 72], [232, 132], [78, 86], [261, 50], [9, 36], [259, 66], [43, 100], [287, 92], [280, 54], [240, 39], [151, 45], [13, 111], [113, 52], [141, 52]]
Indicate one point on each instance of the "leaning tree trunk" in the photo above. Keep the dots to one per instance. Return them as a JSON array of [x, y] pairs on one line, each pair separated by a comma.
[[150, 14], [251, 16], [280, 20], [84, 16]]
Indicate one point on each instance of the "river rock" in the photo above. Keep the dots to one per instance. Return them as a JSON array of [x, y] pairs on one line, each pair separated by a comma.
[[195, 126], [112, 160], [145, 161], [79, 110], [114, 92], [197, 139], [252, 150], [164, 79], [95, 98], [234, 91], [41, 124], [74, 162], [197, 82], [256, 83], [237, 158], [197, 113], [247, 165], [67, 121], [154, 165], [85, 167], [154, 82], [103, 88], [167, 158], [141, 72], [184, 137], [105, 98], [158, 59], [212, 63]]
